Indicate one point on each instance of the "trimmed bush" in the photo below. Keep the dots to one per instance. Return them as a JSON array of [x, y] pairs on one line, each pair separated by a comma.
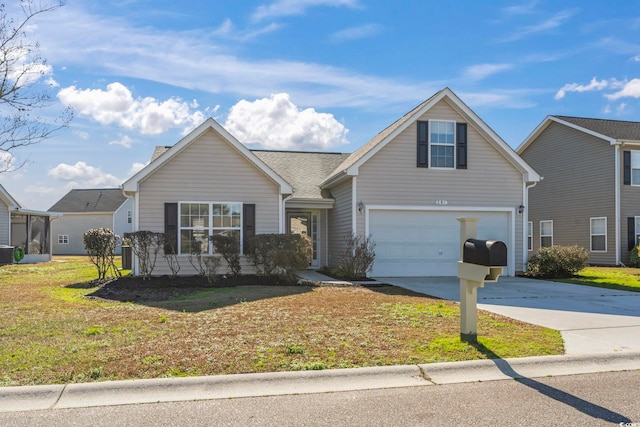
[[555, 262], [100, 244], [229, 248], [280, 255]]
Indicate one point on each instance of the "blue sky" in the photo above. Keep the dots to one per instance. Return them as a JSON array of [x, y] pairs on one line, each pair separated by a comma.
[[320, 75]]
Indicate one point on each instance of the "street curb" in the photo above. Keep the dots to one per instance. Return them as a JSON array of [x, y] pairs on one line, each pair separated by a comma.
[[28, 398]]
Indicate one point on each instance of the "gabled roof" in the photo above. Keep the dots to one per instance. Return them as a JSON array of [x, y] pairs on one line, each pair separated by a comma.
[[356, 159], [612, 131], [90, 200], [8, 198], [303, 170], [164, 154]]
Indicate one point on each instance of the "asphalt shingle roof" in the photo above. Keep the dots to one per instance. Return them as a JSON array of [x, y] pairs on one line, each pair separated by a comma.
[[616, 129], [303, 170], [90, 200]]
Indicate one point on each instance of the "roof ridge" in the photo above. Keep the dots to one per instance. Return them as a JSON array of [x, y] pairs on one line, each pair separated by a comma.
[[596, 118]]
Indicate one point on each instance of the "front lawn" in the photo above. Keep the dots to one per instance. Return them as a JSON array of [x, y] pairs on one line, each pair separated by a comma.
[[57, 326], [626, 279]]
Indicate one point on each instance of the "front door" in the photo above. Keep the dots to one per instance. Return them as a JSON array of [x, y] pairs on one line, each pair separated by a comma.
[[305, 223]]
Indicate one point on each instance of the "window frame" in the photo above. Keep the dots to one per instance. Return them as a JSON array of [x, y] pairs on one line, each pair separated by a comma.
[[548, 221], [592, 234], [63, 239], [451, 145], [636, 154], [210, 229], [530, 236]]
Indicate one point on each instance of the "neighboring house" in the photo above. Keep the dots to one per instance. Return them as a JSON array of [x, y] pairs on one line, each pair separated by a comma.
[[85, 209], [25, 228], [404, 188], [590, 192]]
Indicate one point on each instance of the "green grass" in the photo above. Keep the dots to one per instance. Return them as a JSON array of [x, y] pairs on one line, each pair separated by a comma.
[[52, 331], [626, 279]]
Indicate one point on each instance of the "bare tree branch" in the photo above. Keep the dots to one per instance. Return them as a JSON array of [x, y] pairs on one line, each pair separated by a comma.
[[21, 93]]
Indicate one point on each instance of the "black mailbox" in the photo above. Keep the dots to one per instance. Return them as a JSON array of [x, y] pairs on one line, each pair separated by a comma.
[[490, 253]]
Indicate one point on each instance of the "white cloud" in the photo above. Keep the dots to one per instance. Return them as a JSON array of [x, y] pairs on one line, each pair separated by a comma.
[[81, 134], [549, 24], [630, 89], [296, 7], [124, 140], [135, 168], [8, 162], [594, 84], [82, 175], [521, 9], [636, 58], [116, 106], [277, 123], [482, 71], [355, 33]]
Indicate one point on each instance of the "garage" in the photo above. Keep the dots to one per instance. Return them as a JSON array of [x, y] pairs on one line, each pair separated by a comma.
[[426, 242]]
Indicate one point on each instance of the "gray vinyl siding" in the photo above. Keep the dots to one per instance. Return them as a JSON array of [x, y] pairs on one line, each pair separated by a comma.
[[207, 170], [340, 218], [391, 177], [5, 220], [629, 205], [578, 184], [75, 225]]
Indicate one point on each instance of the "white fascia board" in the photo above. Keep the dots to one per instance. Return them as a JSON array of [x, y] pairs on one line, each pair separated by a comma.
[[131, 185]]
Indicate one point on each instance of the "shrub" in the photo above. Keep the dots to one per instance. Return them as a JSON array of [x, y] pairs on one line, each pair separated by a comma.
[[170, 253], [100, 244], [557, 262], [634, 257], [358, 257], [145, 245], [229, 248], [280, 255]]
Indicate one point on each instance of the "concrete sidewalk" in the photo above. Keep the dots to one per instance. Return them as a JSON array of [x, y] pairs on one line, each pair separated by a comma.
[[48, 397]]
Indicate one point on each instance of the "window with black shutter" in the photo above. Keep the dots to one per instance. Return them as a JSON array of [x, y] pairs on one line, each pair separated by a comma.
[[171, 228], [423, 144]]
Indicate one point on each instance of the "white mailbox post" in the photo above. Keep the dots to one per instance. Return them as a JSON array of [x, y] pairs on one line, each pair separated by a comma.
[[474, 274]]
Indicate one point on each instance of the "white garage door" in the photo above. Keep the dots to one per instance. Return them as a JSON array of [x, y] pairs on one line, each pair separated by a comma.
[[426, 243]]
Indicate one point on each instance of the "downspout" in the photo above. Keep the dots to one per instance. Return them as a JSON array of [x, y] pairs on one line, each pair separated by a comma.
[[136, 226], [525, 223], [617, 201], [354, 217]]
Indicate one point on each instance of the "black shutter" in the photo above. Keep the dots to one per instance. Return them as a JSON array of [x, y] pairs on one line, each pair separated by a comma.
[[631, 232], [171, 227], [423, 144], [627, 167], [461, 145], [248, 224]]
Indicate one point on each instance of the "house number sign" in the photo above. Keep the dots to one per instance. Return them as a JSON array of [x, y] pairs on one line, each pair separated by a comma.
[[442, 202]]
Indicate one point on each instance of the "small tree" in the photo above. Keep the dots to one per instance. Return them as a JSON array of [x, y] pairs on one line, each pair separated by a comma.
[[101, 244], [196, 259], [145, 245], [229, 248], [358, 257], [170, 253]]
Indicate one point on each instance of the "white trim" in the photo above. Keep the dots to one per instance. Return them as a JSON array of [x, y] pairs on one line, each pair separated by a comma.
[[617, 203], [494, 139], [546, 235], [606, 235], [547, 121], [131, 185], [431, 143], [511, 227], [354, 206]]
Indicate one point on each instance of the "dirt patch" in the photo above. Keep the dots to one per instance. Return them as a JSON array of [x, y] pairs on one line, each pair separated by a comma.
[[139, 290]]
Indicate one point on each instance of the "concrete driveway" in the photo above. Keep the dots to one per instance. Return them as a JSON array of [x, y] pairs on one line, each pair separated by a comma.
[[591, 320]]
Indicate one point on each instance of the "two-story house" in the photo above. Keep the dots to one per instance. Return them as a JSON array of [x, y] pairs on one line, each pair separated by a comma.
[[590, 189]]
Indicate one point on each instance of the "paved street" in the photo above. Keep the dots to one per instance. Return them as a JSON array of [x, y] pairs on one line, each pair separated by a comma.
[[576, 400]]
